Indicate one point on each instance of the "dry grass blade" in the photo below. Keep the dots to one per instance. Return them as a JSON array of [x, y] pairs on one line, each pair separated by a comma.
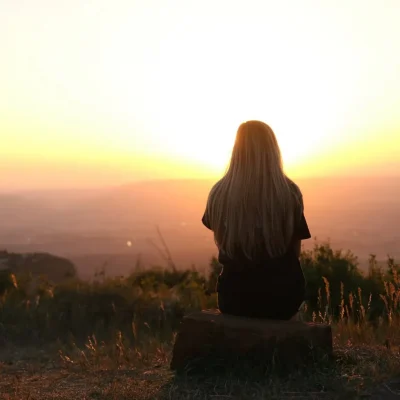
[[164, 252]]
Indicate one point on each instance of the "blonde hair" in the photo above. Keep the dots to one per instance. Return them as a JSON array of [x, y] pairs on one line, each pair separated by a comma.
[[255, 202]]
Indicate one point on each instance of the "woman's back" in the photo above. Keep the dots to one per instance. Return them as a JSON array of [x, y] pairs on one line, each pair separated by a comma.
[[257, 216]]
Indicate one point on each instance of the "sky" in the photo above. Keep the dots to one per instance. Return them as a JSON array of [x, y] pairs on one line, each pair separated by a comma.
[[100, 92]]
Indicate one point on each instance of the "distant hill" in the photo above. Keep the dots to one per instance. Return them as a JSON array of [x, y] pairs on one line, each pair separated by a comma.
[[55, 269], [95, 226]]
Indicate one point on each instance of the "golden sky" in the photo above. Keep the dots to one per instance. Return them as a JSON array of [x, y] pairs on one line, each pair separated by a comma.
[[99, 92]]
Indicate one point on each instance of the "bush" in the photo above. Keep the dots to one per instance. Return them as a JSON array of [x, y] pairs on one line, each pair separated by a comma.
[[156, 299]]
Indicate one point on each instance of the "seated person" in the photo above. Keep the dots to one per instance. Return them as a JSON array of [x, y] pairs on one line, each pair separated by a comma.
[[257, 216]]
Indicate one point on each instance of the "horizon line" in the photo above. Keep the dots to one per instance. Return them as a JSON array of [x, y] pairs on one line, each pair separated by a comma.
[[111, 186]]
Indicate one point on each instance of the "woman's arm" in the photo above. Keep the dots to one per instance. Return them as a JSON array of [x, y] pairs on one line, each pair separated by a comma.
[[301, 233], [297, 247]]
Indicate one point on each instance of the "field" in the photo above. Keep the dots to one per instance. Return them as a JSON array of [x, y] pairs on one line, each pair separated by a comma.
[[112, 338]]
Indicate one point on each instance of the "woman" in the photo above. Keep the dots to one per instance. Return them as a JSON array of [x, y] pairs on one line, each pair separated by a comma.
[[256, 214]]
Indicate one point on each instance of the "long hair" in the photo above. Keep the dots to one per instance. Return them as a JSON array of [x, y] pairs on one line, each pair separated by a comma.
[[255, 202]]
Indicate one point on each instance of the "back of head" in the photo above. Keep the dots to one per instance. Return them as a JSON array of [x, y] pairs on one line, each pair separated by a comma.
[[254, 199]]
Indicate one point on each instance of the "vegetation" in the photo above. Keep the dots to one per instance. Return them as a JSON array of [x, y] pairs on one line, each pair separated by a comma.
[[115, 334]]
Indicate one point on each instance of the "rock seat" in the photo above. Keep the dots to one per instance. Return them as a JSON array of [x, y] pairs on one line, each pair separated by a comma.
[[208, 335]]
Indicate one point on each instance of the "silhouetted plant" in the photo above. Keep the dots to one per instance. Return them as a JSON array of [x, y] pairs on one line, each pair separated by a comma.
[[156, 299]]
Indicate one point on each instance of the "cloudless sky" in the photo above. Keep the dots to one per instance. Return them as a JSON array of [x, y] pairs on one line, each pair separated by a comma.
[[98, 92]]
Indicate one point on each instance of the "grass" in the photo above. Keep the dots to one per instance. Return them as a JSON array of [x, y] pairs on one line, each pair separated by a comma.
[[113, 338], [106, 372]]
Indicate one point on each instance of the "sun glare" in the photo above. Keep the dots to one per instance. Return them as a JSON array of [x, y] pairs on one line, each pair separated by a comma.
[[209, 142], [156, 89]]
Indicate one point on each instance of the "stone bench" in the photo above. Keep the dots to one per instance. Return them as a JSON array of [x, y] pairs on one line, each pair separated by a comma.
[[209, 335]]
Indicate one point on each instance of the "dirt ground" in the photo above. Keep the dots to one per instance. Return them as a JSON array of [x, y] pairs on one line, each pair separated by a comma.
[[35, 374]]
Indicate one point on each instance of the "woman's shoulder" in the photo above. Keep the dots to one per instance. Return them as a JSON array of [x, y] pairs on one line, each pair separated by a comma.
[[293, 186], [215, 187], [295, 189]]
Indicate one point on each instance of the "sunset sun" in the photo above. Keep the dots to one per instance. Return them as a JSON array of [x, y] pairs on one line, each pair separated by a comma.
[[149, 89]]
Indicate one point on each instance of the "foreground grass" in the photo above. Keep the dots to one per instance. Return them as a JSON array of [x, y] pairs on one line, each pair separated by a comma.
[[112, 371], [112, 338]]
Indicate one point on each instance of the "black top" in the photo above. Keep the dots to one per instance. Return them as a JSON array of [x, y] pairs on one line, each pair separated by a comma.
[[301, 233], [280, 275]]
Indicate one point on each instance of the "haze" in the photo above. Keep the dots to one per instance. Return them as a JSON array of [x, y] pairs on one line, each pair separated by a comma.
[[115, 227]]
